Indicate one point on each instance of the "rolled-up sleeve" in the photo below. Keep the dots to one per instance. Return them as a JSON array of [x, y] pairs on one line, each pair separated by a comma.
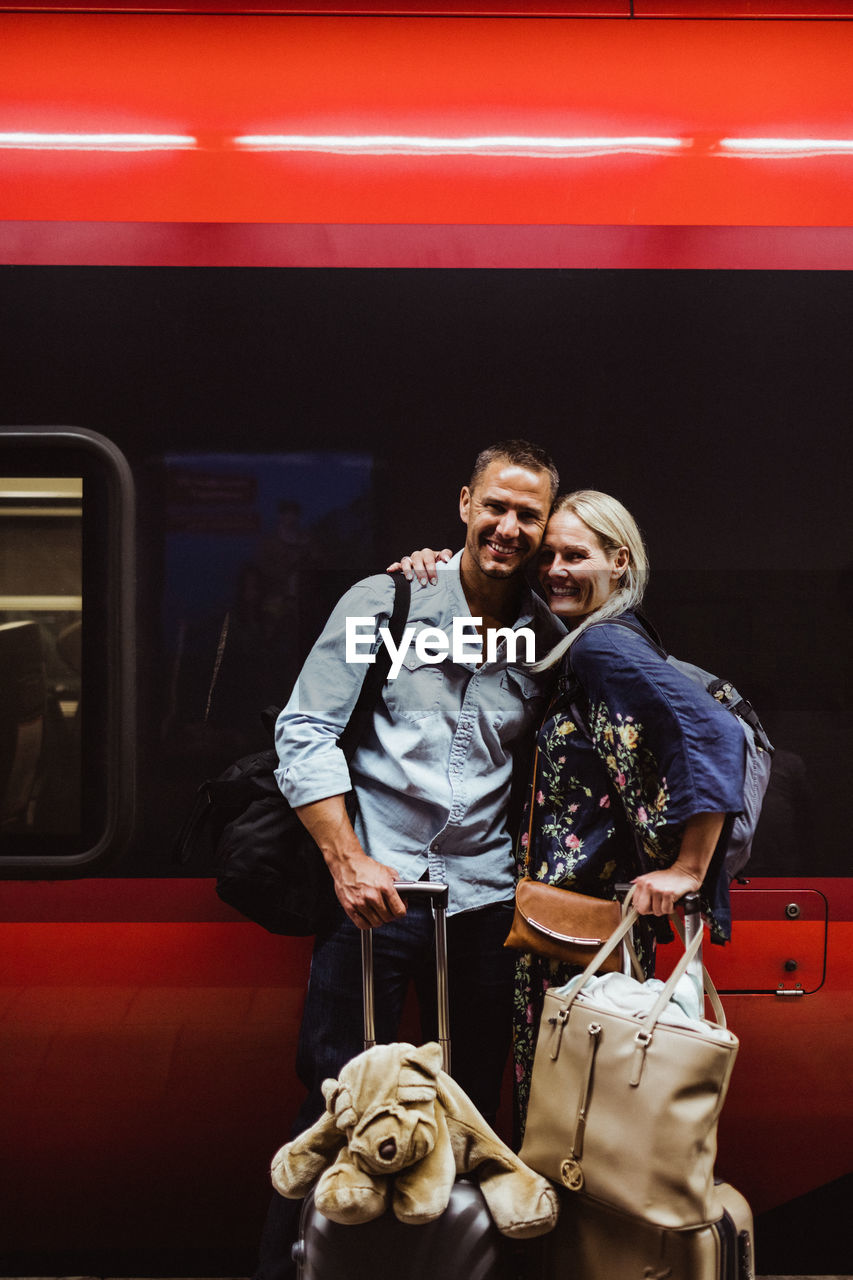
[[311, 765]]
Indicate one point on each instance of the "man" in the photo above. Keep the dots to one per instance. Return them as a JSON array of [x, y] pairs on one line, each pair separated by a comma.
[[432, 778]]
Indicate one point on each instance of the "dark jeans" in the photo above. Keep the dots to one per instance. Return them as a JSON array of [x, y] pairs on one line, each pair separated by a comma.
[[480, 982]]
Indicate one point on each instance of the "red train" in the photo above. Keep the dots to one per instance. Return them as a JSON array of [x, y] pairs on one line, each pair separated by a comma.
[[283, 273]]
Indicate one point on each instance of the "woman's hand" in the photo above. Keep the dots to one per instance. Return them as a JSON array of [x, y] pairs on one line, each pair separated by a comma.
[[656, 892], [421, 564]]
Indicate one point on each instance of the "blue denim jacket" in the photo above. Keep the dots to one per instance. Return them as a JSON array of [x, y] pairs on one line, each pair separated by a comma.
[[433, 773]]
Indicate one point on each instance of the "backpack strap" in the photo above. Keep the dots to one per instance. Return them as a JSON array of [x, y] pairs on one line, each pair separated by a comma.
[[378, 671], [642, 627], [377, 674]]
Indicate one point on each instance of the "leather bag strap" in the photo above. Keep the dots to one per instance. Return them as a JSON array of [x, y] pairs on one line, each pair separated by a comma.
[[630, 957], [530, 816], [630, 951], [707, 980]]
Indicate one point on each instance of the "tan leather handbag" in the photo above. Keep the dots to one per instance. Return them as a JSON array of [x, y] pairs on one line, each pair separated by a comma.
[[562, 925], [624, 1108], [557, 923]]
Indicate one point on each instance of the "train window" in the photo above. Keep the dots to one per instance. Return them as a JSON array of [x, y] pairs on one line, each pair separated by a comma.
[[64, 555]]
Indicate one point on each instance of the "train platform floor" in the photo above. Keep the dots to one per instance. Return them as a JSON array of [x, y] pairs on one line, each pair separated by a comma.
[[242, 1278]]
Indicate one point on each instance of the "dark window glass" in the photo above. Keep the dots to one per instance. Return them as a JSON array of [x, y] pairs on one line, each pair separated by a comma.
[[65, 620], [41, 613]]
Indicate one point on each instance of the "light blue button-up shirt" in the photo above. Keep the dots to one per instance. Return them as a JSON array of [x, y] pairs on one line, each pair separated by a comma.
[[433, 772]]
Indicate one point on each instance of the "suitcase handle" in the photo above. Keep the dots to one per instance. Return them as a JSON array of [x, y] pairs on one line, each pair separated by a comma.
[[423, 889], [438, 894]]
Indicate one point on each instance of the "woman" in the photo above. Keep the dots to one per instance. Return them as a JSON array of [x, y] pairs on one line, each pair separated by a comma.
[[636, 769]]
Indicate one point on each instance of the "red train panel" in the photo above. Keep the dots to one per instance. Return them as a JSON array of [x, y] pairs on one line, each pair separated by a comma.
[[306, 120]]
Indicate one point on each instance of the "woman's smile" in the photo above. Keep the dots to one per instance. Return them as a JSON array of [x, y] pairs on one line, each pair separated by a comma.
[[561, 590]]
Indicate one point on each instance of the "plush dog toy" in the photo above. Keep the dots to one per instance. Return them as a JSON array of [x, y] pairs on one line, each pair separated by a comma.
[[397, 1129]]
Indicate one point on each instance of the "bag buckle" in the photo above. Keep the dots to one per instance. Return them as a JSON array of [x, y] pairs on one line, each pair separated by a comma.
[[642, 1040], [559, 1022]]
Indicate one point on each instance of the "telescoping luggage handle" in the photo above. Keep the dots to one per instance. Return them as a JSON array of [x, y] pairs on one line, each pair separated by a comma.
[[438, 895], [693, 925]]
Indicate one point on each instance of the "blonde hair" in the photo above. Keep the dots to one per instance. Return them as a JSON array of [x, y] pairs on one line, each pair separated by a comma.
[[615, 527]]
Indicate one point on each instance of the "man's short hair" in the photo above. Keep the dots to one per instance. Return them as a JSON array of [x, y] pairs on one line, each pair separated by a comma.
[[521, 453]]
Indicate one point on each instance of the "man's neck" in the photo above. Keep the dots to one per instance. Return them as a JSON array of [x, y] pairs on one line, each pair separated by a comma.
[[495, 600]]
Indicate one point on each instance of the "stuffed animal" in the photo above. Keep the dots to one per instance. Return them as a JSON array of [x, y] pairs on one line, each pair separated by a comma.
[[397, 1129]]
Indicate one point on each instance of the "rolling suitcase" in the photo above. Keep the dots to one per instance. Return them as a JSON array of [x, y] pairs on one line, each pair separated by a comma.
[[595, 1241], [464, 1241]]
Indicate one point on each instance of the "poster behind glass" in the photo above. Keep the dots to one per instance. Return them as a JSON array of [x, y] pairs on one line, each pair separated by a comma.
[[258, 547]]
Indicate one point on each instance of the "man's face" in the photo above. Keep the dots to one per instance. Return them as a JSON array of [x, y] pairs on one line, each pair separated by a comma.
[[506, 514]]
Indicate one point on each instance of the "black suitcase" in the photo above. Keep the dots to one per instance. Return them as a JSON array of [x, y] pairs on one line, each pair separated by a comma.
[[464, 1241]]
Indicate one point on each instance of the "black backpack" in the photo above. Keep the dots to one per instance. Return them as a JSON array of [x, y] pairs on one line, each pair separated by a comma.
[[269, 868]]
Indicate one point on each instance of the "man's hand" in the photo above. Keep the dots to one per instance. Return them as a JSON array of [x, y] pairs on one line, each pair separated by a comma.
[[365, 890], [364, 887]]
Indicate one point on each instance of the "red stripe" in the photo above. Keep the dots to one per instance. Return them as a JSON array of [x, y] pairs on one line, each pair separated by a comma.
[[256, 245]]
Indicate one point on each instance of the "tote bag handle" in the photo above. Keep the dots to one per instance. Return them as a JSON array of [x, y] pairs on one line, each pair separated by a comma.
[[627, 923]]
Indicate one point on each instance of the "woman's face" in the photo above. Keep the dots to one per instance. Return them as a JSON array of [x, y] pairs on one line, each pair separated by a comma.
[[576, 573]]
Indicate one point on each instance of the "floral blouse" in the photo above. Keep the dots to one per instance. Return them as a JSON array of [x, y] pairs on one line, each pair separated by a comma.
[[629, 750]]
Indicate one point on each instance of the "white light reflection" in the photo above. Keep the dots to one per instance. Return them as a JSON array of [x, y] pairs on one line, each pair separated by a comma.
[[489, 145], [785, 148], [30, 141]]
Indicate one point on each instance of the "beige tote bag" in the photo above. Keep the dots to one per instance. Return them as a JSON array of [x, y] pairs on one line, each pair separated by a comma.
[[624, 1108]]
